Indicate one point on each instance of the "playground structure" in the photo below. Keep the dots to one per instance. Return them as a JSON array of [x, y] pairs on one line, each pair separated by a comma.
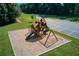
[[41, 36], [22, 47]]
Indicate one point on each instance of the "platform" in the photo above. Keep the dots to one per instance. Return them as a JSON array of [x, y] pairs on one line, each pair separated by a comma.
[[21, 47]]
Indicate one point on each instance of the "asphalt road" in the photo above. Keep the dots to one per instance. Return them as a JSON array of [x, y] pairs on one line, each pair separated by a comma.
[[66, 27]]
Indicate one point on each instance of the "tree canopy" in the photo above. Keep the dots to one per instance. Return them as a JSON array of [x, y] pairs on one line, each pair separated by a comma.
[[63, 9], [8, 13]]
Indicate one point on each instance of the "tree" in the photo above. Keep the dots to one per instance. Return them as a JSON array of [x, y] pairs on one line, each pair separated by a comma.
[[76, 11], [8, 13], [61, 9], [68, 9]]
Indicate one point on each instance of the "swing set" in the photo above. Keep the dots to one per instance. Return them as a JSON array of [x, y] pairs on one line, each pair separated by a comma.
[[47, 38], [41, 36]]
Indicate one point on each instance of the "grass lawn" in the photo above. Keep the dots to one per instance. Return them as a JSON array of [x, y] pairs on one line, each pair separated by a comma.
[[71, 48], [5, 45], [68, 18]]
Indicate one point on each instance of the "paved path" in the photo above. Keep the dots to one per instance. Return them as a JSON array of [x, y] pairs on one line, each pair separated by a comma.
[[67, 27]]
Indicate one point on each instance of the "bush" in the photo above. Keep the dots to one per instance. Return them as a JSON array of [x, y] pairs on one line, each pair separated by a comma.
[[8, 13], [75, 19]]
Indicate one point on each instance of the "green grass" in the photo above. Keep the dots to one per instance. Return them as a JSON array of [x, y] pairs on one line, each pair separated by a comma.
[[69, 49], [74, 19], [52, 17], [5, 45], [68, 18]]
